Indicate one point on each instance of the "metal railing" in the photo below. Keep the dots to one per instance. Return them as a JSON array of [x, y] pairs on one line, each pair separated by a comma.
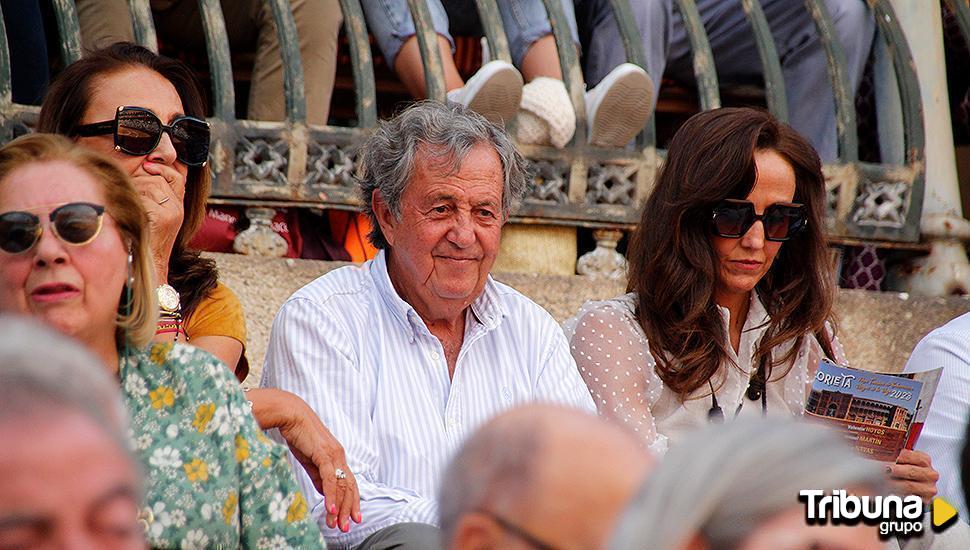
[[294, 163]]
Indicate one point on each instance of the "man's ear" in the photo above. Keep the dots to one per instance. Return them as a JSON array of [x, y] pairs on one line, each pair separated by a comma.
[[476, 532], [385, 218]]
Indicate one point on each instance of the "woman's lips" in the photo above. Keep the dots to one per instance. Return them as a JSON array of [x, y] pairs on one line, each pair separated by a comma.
[[54, 292], [747, 265]]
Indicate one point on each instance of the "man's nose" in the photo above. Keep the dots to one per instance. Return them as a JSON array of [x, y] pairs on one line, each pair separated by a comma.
[[462, 232]]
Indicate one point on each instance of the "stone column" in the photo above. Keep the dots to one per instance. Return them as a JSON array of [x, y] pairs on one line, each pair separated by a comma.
[[945, 270]]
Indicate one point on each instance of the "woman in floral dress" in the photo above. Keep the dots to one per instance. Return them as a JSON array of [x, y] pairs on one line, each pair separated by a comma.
[[74, 252]]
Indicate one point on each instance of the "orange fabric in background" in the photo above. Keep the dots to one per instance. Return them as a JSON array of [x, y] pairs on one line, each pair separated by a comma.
[[354, 227]]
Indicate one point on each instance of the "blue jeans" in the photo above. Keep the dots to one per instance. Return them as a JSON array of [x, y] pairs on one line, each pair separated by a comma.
[[525, 21], [811, 107]]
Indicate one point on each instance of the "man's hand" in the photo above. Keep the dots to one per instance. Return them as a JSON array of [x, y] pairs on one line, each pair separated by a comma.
[[913, 474], [321, 455]]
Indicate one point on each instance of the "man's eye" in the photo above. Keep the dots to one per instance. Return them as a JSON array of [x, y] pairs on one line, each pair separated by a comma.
[[486, 213], [440, 209]]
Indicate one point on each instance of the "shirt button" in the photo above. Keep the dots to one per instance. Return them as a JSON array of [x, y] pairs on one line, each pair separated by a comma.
[[434, 355], [452, 422]]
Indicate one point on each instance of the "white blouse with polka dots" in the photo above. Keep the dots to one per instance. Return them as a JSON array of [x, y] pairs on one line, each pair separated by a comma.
[[611, 351]]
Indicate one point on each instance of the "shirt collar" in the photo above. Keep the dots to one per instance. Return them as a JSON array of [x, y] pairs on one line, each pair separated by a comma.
[[487, 310]]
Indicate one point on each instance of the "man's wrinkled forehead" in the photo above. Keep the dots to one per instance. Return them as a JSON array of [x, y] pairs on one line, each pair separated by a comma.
[[444, 161]]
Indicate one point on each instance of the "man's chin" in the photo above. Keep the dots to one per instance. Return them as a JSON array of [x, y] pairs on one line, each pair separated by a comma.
[[458, 292]]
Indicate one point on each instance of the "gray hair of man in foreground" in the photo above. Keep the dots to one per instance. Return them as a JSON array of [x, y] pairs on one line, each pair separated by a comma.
[[516, 466], [724, 480], [42, 372], [493, 467], [444, 132]]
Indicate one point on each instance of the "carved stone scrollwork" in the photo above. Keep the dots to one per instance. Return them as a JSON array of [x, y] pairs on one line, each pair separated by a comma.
[[261, 160], [549, 182], [329, 164], [832, 202], [611, 184], [604, 260], [882, 204]]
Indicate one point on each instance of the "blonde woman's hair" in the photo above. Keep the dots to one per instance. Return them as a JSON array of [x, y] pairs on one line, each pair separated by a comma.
[[138, 320]]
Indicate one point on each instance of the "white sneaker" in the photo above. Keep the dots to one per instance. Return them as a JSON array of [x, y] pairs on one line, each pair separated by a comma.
[[493, 92], [546, 116], [619, 106]]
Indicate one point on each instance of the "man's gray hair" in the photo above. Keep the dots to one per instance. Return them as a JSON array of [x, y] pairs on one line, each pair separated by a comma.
[[724, 480], [448, 131], [492, 470], [45, 372]]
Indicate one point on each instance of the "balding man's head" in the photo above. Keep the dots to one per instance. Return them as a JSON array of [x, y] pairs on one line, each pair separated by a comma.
[[559, 475]]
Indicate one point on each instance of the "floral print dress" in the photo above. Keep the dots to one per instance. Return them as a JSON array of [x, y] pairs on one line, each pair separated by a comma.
[[213, 480]]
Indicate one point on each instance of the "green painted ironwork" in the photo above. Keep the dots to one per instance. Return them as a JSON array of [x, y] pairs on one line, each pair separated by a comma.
[[70, 30], [361, 63], [770, 63], [910, 178], [291, 163], [6, 83], [142, 24], [842, 90], [434, 73], [498, 42], [703, 59]]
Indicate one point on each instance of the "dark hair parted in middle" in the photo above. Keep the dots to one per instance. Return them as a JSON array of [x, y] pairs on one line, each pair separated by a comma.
[[63, 110], [673, 265]]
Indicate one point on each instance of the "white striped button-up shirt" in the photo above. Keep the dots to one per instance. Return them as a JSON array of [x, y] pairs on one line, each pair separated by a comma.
[[368, 365], [943, 433]]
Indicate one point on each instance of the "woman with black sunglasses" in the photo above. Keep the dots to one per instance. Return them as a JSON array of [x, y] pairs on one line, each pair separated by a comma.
[[730, 290], [145, 111], [75, 253]]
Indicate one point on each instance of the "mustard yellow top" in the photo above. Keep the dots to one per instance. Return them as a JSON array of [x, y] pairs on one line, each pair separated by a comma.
[[220, 314]]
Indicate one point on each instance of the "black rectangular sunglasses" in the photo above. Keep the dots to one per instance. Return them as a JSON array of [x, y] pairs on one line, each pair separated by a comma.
[[76, 223], [783, 220], [137, 131]]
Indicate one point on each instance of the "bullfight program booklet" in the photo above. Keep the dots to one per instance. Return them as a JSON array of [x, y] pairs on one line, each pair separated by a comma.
[[879, 413]]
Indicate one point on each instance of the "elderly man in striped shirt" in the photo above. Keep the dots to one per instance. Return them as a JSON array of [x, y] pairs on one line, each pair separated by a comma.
[[406, 355]]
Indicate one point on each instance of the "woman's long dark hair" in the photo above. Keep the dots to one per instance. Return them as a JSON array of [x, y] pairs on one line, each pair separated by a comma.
[[673, 267], [63, 109]]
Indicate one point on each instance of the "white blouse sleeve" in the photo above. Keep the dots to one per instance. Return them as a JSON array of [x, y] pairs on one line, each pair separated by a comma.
[[816, 354], [612, 354]]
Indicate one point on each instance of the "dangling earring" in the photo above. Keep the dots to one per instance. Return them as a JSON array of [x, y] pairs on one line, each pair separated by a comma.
[[131, 275], [129, 282]]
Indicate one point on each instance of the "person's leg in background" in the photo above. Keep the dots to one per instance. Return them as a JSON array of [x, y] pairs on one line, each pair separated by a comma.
[[318, 25], [603, 47], [546, 115], [103, 22], [28, 50], [494, 91], [529, 33], [392, 26], [811, 107]]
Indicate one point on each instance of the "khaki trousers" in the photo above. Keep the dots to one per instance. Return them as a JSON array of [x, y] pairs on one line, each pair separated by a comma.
[[248, 23]]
